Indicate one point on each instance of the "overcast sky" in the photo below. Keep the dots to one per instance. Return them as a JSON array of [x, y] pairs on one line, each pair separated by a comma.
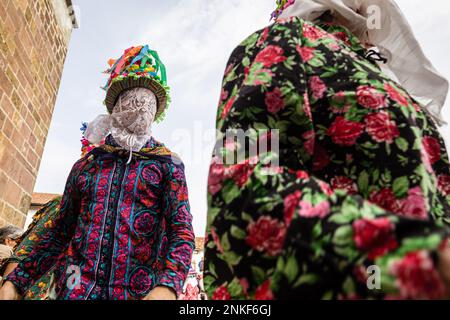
[[194, 39]]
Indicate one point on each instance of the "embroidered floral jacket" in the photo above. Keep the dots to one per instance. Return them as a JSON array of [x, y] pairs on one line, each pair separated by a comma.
[[121, 230]]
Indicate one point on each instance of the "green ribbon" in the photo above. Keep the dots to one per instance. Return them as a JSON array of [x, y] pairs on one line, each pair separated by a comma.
[[159, 66]]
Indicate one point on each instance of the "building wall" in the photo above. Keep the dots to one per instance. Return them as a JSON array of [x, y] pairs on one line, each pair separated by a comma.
[[34, 36]]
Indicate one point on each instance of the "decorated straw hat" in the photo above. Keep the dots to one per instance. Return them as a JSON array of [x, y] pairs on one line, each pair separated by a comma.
[[137, 67]]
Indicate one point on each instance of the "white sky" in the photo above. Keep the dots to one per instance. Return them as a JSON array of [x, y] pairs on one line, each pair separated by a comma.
[[194, 39]]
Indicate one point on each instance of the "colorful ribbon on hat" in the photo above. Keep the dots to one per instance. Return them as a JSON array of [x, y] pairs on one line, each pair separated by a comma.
[[142, 54]]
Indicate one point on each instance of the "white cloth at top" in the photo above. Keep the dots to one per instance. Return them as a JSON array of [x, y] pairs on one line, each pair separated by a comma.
[[393, 36]]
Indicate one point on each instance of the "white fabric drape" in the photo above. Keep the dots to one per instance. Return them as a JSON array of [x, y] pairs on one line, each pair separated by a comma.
[[393, 36]]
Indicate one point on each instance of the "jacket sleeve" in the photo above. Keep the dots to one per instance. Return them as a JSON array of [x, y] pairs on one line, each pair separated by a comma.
[[180, 233], [53, 238], [35, 230]]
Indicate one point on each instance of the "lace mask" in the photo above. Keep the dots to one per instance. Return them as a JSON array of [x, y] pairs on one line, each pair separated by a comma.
[[130, 121]]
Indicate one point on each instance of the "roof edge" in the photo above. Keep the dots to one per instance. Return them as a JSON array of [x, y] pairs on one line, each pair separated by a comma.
[[72, 14]]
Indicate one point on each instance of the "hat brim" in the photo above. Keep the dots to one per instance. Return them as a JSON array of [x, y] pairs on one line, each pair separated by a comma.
[[129, 83]]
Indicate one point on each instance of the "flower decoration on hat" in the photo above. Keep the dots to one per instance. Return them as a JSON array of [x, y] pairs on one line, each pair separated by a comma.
[[138, 67], [86, 146], [281, 6]]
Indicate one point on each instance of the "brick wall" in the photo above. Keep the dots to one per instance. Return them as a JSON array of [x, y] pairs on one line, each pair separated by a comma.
[[33, 46]]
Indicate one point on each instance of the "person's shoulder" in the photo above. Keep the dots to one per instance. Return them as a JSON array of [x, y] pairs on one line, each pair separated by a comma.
[[83, 160], [157, 151], [257, 38], [174, 163], [81, 163], [295, 23], [293, 20], [156, 143]]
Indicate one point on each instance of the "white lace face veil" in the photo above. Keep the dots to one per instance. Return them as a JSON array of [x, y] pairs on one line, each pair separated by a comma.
[[132, 117], [130, 121]]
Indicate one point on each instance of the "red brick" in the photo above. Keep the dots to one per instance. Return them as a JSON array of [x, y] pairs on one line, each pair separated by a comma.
[[2, 118], [7, 106], [6, 85], [26, 179], [32, 53], [3, 182], [8, 128], [13, 195]]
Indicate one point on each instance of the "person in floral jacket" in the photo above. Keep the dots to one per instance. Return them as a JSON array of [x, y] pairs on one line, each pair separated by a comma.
[[124, 227], [35, 231], [359, 206]]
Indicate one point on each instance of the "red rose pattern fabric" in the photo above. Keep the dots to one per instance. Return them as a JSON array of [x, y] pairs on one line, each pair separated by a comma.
[[125, 228], [363, 176]]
